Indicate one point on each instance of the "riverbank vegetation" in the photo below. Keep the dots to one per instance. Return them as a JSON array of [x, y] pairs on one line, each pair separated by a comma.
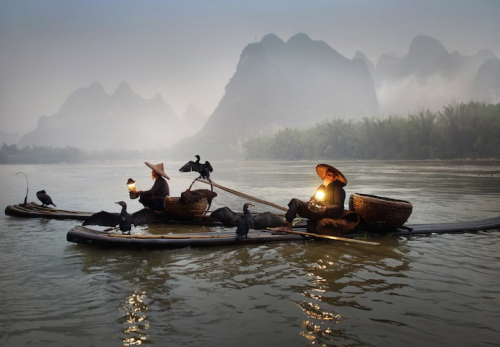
[[465, 130], [10, 154]]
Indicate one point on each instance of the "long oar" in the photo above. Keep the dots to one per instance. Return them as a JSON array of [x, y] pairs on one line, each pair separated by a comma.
[[246, 196], [179, 236], [327, 237]]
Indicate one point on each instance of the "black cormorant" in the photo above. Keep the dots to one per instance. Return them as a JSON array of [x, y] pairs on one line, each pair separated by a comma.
[[123, 219], [244, 222], [226, 216], [203, 169], [44, 198], [260, 221]]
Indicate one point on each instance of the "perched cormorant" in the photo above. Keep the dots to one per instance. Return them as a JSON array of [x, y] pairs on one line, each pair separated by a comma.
[[203, 169], [244, 222], [44, 198], [268, 220], [226, 216], [123, 219], [260, 221], [194, 196]]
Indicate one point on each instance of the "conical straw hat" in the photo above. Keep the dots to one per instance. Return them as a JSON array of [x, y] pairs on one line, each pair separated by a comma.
[[158, 168], [321, 170]]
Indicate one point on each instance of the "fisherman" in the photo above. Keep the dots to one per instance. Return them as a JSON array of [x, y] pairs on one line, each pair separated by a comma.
[[154, 198], [325, 209]]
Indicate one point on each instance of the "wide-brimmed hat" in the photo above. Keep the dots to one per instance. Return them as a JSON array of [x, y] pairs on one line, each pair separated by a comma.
[[321, 170], [158, 168]]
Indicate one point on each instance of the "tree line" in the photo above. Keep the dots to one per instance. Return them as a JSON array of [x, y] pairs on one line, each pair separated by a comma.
[[10, 154], [465, 130], [461, 130]]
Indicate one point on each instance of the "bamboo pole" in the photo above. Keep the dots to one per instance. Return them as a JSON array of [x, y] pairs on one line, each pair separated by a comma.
[[172, 236], [326, 237], [249, 197]]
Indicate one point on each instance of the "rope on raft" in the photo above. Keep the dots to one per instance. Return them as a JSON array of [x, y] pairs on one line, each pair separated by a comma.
[[249, 197]]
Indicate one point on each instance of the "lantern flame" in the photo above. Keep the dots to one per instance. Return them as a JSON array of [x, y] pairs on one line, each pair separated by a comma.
[[320, 195]]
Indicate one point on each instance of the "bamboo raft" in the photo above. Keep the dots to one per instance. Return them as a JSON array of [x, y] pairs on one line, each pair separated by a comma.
[[83, 235], [34, 210]]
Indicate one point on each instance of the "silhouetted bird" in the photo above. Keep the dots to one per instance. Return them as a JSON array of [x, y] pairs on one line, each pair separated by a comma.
[[194, 196], [226, 216], [44, 198], [203, 169], [123, 219], [260, 221], [244, 223], [268, 220]]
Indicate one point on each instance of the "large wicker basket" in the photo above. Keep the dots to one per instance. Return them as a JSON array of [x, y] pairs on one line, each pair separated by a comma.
[[176, 208], [379, 213]]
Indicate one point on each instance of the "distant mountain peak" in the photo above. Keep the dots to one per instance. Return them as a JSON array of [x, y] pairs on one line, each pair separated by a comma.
[[96, 86], [271, 40], [299, 39], [485, 54], [360, 55], [123, 89], [422, 44], [427, 57]]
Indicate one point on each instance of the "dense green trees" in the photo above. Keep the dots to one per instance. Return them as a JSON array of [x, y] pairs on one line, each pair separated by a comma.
[[465, 130], [462, 130], [10, 154]]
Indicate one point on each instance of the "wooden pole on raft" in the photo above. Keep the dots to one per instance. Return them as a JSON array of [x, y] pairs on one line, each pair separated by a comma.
[[326, 237], [169, 236], [249, 197]]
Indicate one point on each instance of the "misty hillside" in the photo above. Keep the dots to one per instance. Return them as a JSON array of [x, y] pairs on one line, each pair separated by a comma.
[[193, 118], [277, 85], [429, 77], [92, 119], [280, 84], [9, 138]]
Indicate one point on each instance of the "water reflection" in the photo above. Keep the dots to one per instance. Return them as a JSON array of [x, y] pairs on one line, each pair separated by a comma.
[[135, 319], [115, 272], [347, 283]]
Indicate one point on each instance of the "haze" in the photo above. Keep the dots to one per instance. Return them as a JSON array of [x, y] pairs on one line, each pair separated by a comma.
[[188, 50]]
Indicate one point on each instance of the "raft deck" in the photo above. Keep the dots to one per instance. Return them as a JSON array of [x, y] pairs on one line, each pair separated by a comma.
[[34, 210], [85, 235]]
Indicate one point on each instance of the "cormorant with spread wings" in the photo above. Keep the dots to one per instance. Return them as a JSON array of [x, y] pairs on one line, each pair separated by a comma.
[[123, 219], [203, 169]]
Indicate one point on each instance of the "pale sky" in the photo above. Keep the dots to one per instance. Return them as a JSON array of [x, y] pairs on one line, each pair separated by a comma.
[[187, 50]]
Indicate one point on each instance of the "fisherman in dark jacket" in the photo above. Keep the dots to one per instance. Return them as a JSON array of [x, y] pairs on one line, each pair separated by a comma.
[[328, 200], [154, 198]]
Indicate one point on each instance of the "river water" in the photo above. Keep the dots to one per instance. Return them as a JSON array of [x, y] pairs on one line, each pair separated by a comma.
[[437, 290]]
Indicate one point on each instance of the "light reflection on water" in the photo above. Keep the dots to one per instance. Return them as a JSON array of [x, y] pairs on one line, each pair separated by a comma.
[[435, 290]]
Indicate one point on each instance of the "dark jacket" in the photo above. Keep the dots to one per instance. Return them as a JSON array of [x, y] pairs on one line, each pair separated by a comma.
[[159, 189], [334, 198]]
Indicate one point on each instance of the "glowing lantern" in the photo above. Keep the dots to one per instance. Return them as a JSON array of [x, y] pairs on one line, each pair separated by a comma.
[[131, 185], [320, 195]]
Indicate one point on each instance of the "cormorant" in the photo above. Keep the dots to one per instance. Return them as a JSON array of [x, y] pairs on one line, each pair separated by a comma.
[[194, 196], [244, 222], [227, 217], [44, 198], [203, 169], [260, 221], [123, 219]]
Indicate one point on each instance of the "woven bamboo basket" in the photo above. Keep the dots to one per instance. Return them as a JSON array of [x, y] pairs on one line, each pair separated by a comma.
[[379, 213], [176, 208]]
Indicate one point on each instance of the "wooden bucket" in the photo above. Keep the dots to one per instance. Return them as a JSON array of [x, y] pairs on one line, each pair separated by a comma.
[[379, 213], [176, 208]]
